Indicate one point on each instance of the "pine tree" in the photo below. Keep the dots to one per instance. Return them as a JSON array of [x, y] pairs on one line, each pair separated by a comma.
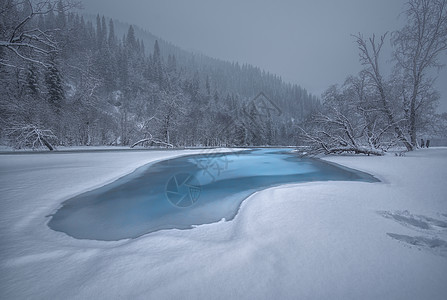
[[61, 18], [157, 68], [240, 134], [131, 41], [50, 20], [252, 123], [142, 48], [174, 63], [148, 71], [112, 37], [103, 36], [207, 86], [98, 32], [32, 81], [216, 96], [157, 51], [195, 87], [54, 86]]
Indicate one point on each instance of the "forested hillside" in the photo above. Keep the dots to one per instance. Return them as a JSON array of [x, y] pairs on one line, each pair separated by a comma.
[[68, 80]]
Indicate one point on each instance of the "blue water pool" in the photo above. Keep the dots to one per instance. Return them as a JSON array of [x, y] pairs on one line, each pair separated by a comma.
[[186, 191]]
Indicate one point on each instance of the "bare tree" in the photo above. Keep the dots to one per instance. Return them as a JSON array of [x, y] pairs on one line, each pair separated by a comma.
[[336, 135], [344, 124], [25, 42], [164, 121], [149, 139], [31, 136], [418, 46], [369, 52]]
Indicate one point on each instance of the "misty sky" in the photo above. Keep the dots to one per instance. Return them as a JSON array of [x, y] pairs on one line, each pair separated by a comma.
[[305, 42]]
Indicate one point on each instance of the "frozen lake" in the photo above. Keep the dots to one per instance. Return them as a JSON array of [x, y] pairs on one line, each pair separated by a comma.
[[191, 190]]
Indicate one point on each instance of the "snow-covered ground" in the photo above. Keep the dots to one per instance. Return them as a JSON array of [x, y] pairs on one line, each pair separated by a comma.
[[337, 240]]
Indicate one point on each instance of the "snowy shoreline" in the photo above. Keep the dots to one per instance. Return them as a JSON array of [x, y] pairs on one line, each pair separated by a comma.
[[311, 240]]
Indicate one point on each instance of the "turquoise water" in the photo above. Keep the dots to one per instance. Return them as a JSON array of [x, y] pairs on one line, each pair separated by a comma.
[[186, 191]]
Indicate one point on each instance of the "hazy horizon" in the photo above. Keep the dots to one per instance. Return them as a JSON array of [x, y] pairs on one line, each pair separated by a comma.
[[308, 43]]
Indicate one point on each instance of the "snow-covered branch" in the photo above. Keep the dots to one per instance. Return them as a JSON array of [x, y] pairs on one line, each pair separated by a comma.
[[31, 136], [29, 44]]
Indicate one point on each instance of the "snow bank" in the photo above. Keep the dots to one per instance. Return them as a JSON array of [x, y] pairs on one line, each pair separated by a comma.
[[345, 240]]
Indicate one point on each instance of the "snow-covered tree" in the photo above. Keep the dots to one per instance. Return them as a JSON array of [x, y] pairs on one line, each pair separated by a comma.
[[418, 47], [55, 89], [87, 86], [19, 34]]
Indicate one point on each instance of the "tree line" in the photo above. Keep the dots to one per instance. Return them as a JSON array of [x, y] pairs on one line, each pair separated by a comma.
[[70, 80]]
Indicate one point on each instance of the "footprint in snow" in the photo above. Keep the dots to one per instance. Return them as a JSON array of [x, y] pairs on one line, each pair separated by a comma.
[[427, 225], [405, 218], [435, 245]]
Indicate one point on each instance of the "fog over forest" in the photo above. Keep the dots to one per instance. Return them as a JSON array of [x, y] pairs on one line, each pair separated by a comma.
[[259, 75], [297, 40], [223, 149]]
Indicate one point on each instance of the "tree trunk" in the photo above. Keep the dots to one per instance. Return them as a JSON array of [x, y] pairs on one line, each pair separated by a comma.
[[413, 138], [389, 114], [47, 144]]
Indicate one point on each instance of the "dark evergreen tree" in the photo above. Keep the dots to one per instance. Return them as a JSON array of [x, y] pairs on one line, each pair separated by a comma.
[[131, 40], [99, 32], [207, 86], [112, 38], [32, 81], [103, 36], [50, 20], [157, 67], [61, 17], [54, 85]]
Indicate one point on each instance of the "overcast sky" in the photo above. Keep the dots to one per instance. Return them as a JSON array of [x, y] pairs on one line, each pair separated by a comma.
[[305, 42]]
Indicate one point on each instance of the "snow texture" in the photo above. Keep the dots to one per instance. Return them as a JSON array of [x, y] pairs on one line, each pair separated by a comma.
[[337, 240]]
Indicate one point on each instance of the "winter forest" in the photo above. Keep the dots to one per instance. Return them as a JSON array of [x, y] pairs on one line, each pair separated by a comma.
[[223, 149], [70, 79]]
